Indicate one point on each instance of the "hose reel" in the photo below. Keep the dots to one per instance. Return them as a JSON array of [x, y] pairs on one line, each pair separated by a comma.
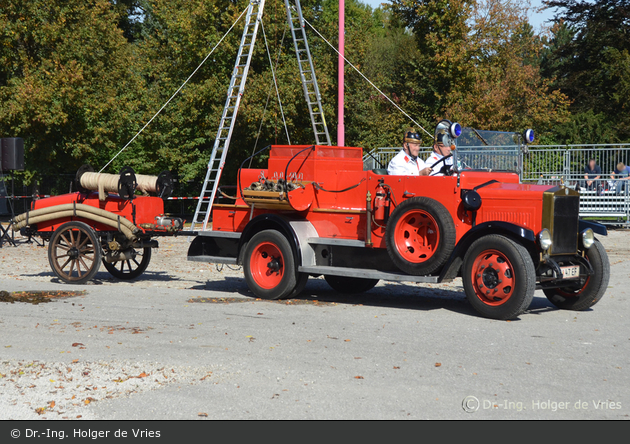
[[125, 183]]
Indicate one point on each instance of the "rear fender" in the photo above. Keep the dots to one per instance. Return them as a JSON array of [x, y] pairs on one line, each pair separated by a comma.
[[297, 233], [519, 234]]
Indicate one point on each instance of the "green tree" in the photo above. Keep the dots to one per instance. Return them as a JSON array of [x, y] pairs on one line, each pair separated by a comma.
[[587, 58], [68, 81]]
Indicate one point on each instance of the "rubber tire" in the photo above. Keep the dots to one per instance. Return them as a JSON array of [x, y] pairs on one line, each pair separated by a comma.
[[446, 231], [289, 280], [524, 277], [350, 285], [57, 268], [127, 275], [594, 288], [302, 279]]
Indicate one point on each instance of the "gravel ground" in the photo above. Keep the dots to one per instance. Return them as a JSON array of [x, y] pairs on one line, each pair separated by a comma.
[[118, 349]]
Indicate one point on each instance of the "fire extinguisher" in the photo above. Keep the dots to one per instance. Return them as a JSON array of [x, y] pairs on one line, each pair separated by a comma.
[[381, 203]]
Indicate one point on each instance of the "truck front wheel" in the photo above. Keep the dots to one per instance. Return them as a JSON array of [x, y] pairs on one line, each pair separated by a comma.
[[269, 265], [499, 277], [589, 290]]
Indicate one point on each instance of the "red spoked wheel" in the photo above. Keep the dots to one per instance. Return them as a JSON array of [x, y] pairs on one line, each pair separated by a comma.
[[269, 266], [499, 277], [588, 290], [420, 236]]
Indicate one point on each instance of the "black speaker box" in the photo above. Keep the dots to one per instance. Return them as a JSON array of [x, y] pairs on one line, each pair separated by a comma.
[[12, 154]]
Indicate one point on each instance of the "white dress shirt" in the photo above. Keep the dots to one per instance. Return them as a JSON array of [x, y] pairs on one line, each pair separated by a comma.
[[403, 165], [434, 157]]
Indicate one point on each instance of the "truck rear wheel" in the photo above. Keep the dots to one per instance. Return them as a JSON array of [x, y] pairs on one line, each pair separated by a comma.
[[350, 285], [499, 277], [269, 266], [590, 290], [420, 236], [74, 253]]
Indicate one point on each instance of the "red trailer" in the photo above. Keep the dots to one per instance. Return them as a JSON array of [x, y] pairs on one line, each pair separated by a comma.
[[88, 227]]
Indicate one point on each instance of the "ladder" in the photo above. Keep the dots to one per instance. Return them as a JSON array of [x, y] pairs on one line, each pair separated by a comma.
[[307, 72], [228, 118]]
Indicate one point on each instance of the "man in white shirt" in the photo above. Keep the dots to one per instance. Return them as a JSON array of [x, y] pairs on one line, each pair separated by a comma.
[[441, 148], [407, 162]]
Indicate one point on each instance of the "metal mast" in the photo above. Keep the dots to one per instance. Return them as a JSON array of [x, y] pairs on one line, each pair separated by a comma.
[[307, 72]]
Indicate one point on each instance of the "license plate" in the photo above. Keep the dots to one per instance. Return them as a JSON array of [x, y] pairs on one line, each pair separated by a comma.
[[570, 272]]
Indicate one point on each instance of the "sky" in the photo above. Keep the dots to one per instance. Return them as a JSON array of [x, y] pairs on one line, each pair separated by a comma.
[[537, 19]]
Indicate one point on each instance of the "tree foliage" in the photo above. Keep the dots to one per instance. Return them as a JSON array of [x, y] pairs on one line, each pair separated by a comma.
[[588, 59], [78, 80]]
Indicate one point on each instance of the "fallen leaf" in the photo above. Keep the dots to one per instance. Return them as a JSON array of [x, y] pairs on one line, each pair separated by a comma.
[[76, 344], [396, 368], [205, 415], [438, 364], [74, 361], [359, 377], [142, 375], [51, 404], [40, 410], [346, 340]]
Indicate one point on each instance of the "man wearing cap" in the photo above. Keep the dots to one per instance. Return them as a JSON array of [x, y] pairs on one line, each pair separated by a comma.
[[407, 162], [441, 148]]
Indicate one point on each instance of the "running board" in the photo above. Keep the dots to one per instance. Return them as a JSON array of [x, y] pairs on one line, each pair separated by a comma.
[[368, 274]]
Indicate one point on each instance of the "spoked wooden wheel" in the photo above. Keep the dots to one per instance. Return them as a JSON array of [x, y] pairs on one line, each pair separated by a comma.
[[74, 253], [130, 268]]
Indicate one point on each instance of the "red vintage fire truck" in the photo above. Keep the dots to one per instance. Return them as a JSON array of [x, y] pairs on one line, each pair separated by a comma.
[[315, 211]]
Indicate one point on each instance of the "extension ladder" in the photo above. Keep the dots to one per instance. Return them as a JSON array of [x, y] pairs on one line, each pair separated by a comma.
[[228, 118]]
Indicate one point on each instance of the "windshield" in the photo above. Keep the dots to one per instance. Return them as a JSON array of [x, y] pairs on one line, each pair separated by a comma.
[[488, 150]]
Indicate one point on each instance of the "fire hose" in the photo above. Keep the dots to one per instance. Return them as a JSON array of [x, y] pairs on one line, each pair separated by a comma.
[[77, 210]]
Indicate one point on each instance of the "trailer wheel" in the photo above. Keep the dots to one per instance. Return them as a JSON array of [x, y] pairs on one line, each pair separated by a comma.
[[499, 277], [130, 268], [269, 266], [590, 290], [420, 236], [350, 285], [74, 253]]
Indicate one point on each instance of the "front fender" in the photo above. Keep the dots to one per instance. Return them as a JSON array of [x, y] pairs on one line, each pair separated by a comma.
[[522, 235]]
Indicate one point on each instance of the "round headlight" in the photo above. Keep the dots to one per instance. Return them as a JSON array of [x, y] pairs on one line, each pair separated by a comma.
[[529, 136], [588, 238], [544, 239], [456, 130]]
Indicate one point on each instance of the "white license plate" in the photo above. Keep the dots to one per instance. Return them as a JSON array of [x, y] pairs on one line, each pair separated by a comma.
[[570, 272]]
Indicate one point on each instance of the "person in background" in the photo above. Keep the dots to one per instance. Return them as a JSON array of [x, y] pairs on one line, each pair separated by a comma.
[[592, 173], [407, 162], [620, 175]]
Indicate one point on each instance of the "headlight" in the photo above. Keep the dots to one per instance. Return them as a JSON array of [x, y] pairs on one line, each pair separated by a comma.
[[588, 238], [529, 136], [455, 130], [544, 239]]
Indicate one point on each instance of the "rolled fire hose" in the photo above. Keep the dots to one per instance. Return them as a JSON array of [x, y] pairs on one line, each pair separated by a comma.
[[76, 210], [109, 182]]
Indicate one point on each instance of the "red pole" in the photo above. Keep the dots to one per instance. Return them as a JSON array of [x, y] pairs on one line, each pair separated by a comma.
[[341, 130]]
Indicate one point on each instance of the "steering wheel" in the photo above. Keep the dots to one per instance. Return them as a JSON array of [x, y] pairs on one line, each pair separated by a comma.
[[446, 169]]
